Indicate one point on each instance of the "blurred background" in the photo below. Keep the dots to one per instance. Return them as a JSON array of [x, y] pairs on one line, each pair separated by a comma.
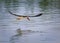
[[48, 24]]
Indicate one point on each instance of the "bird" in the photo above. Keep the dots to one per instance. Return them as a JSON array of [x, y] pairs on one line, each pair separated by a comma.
[[19, 17]]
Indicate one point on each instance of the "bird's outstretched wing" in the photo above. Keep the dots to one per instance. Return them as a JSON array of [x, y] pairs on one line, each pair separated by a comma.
[[25, 16]]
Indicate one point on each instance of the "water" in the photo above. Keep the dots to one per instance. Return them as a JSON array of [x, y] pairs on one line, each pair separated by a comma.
[[48, 24]]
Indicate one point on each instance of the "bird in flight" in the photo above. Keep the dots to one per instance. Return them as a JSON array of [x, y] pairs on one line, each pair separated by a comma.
[[22, 16]]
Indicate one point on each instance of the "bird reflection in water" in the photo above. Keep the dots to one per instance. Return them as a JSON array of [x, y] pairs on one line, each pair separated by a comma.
[[16, 37]]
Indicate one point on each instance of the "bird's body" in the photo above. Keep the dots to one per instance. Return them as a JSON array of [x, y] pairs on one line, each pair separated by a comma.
[[19, 18], [22, 17]]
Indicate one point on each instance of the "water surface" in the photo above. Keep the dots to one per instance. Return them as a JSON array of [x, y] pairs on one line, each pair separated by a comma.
[[48, 24]]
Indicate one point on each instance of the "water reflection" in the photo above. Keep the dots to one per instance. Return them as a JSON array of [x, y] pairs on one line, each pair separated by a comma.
[[14, 38], [29, 6], [11, 4], [23, 35], [49, 22], [17, 36], [44, 4]]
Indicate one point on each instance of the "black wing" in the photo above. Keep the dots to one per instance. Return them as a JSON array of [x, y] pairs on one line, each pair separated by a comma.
[[14, 14], [25, 16]]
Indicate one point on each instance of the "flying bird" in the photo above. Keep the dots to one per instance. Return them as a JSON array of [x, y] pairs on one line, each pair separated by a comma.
[[22, 16]]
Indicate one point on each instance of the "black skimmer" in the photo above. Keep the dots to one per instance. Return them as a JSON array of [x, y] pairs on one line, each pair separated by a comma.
[[22, 16]]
